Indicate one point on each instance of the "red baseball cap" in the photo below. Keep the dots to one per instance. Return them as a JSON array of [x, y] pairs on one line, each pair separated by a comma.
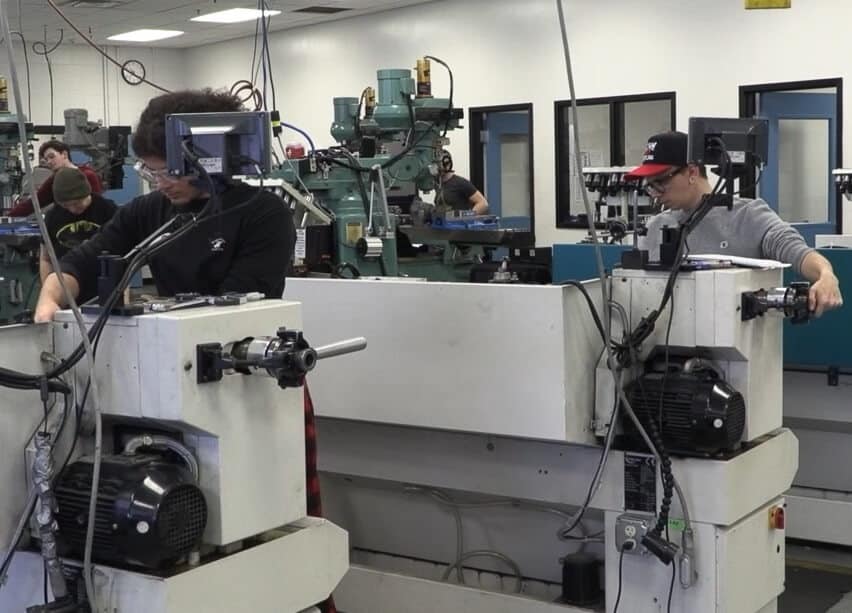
[[663, 152]]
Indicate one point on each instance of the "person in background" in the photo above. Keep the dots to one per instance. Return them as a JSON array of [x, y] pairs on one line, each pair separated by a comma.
[[457, 193], [76, 215], [54, 155], [750, 229]]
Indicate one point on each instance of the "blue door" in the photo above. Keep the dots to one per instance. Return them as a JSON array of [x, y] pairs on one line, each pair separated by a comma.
[[802, 136], [507, 171]]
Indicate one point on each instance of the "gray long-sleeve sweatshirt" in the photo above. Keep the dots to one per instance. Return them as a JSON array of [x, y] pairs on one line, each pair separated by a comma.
[[751, 229]]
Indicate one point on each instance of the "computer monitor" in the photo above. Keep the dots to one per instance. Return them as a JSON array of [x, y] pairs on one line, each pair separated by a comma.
[[225, 144], [746, 142]]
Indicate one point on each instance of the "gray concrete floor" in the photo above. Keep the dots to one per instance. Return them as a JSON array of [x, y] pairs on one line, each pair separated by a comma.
[[819, 580]]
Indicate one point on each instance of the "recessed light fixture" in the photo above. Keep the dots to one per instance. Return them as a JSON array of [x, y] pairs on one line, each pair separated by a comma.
[[145, 36], [235, 15]]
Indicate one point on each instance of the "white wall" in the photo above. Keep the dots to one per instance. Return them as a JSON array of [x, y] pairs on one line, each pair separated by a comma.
[[509, 51], [82, 81]]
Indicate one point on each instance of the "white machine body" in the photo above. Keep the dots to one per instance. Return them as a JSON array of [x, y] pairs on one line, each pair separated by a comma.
[[496, 359], [488, 392], [248, 437], [247, 433]]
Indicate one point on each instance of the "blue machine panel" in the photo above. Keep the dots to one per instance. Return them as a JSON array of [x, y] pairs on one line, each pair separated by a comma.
[[824, 342], [577, 261]]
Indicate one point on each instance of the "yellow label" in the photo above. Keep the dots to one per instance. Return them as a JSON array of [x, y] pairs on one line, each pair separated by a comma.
[[768, 4], [354, 231]]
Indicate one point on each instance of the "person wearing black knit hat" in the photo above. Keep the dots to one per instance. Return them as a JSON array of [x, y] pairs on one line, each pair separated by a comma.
[[76, 216]]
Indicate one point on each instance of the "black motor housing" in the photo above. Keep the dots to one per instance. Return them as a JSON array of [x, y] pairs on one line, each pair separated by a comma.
[[696, 413], [150, 512]]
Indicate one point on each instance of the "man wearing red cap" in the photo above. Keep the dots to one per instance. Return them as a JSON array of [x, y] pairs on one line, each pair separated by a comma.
[[750, 229]]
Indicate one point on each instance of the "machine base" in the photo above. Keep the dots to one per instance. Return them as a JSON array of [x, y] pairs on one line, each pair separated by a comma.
[[367, 590], [297, 568]]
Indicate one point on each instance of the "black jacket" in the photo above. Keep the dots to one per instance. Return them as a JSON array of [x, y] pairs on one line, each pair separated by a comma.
[[248, 249]]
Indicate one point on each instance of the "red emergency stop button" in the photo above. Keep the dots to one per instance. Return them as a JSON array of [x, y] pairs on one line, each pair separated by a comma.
[[776, 518]]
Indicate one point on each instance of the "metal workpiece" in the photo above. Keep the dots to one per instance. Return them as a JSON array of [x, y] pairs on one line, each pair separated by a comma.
[[341, 348], [164, 442]]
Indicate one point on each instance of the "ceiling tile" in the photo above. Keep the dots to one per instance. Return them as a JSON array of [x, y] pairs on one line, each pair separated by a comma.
[[38, 17]]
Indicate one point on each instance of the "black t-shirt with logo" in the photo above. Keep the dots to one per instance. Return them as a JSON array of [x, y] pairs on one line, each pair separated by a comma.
[[68, 230], [456, 192]]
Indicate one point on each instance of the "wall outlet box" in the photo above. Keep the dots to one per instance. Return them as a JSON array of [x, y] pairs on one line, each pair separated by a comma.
[[629, 530]]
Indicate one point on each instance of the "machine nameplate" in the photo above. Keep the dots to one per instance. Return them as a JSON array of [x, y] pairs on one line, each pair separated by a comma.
[[640, 482]]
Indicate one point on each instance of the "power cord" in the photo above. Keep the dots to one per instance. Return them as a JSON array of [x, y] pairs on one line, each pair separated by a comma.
[[40, 48], [452, 87], [620, 576], [486, 553], [623, 549], [27, 65], [455, 507], [671, 589], [612, 362], [264, 22], [88, 41]]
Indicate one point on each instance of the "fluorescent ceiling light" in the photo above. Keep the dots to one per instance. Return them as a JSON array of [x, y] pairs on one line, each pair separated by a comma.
[[235, 15], [144, 36]]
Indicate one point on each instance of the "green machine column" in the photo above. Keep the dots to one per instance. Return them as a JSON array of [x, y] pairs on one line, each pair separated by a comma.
[[345, 116], [395, 87]]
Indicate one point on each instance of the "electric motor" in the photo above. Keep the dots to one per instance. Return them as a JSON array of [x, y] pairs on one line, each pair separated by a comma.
[[149, 513], [695, 413]]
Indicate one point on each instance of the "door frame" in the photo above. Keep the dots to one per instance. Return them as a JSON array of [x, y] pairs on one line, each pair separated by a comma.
[[477, 160], [564, 216], [748, 108]]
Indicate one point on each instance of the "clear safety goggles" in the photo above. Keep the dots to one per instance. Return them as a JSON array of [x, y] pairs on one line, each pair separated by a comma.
[[152, 175]]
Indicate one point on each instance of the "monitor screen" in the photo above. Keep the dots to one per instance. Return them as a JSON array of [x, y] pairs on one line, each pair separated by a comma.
[[746, 141], [226, 144]]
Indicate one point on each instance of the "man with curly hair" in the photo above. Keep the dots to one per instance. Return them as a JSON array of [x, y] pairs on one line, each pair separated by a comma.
[[248, 249]]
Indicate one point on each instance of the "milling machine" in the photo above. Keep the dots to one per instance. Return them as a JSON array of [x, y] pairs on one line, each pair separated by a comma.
[[11, 172], [386, 141], [106, 147], [19, 242]]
